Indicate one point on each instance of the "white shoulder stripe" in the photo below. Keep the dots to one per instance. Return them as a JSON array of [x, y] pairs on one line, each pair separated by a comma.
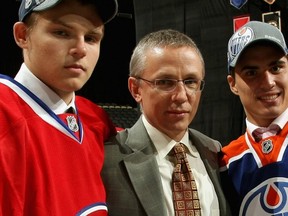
[[41, 112], [254, 153], [231, 160], [93, 208]]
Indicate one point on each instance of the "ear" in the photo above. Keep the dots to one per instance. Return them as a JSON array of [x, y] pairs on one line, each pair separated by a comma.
[[232, 84], [20, 34], [133, 86]]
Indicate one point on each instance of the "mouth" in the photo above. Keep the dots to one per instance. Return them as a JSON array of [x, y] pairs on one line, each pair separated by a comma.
[[269, 97], [178, 112], [76, 67]]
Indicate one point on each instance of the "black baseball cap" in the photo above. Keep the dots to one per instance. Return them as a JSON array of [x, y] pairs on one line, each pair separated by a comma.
[[107, 8]]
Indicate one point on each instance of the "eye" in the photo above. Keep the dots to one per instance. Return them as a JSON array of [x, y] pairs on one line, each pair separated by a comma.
[[93, 38], [61, 33], [164, 82], [275, 69], [249, 73], [191, 83]]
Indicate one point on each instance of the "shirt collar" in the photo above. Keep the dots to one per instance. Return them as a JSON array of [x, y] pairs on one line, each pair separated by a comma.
[[163, 143], [42, 91], [280, 121]]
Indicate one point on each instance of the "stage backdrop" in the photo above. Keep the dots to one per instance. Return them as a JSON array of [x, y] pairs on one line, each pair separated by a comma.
[[210, 24]]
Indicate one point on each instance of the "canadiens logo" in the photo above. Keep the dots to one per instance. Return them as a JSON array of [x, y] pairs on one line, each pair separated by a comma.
[[238, 42], [268, 198]]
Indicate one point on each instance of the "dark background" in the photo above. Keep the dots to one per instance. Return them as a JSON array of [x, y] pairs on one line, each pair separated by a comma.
[[208, 22]]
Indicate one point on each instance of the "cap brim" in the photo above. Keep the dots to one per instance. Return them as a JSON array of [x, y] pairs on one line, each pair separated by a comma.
[[107, 9], [46, 4]]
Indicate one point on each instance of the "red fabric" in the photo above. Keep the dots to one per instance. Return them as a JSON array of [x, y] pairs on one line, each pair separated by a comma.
[[43, 170], [119, 128]]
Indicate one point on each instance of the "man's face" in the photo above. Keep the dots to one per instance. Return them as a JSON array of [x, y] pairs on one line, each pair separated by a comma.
[[170, 112], [261, 81], [63, 45]]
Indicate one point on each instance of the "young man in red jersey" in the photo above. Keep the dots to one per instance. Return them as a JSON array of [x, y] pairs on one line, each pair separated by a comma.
[[50, 164]]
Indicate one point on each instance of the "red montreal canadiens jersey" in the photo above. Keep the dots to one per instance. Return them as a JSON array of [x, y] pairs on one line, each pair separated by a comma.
[[45, 170], [255, 175]]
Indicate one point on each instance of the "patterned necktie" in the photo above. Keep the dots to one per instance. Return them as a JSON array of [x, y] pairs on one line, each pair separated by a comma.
[[185, 195]]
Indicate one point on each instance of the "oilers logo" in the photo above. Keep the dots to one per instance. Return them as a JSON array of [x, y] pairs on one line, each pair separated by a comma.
[[238, 41], [268, 198]]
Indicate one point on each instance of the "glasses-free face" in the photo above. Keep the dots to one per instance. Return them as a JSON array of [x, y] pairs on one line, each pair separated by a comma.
[[261, 77], [169, 85], [62, 47]]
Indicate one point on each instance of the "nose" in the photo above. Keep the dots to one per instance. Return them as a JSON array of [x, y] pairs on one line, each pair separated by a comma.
[[180, 92], [78, 49], [268, 80]]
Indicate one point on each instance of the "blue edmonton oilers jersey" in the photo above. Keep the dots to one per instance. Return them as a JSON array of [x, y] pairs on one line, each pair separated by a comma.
[[255, 175]]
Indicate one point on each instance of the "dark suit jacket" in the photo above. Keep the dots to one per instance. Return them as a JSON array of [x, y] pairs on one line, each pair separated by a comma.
[[131, 175]]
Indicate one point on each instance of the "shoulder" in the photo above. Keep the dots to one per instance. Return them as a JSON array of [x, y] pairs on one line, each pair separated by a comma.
[[12, 101], [235, 146], [206, 141], [84, 102], [234, 150], [130, 140], [116, 149], [94, 116], [90, 109], [118, 141]]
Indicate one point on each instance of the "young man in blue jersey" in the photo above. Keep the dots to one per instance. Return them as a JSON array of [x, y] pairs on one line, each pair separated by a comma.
[[255, 166]]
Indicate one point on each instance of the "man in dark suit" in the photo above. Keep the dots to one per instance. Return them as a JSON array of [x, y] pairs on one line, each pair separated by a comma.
[[166, 79]]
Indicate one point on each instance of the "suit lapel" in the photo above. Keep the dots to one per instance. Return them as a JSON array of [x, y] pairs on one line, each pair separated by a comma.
[[143, 171], [208, 157], [211, 164]]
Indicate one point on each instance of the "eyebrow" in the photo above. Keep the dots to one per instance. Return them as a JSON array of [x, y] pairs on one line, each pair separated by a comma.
[[99, 31], [249, 67], [276, 62], [279, 62]]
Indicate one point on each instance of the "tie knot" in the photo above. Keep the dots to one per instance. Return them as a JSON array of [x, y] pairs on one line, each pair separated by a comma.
[[179, 151], [70, 110], [263, 132], [179, 148]]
